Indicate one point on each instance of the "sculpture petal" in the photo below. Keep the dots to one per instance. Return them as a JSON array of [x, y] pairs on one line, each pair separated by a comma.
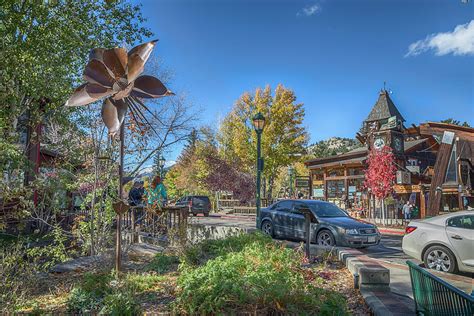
[[137, 58], [97, 53], [149, 87], [116, 61], [113, 114], [88, 93], [96, 72]]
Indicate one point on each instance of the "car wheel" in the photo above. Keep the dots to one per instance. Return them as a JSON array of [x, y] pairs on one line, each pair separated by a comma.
[[440, 258], [267, 228], [325, 238], [206, 214]]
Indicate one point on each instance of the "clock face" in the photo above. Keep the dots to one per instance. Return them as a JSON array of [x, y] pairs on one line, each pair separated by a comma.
[[397, 143], [379, 143]]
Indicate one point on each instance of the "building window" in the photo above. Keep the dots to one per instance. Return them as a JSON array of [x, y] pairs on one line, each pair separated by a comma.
[[467, 175], [317, 175], [336, 172], [335, 188], [355, 171], [451, 173], [449, 202]]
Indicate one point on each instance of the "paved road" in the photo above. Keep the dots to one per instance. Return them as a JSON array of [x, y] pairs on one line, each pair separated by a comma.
[[390, 254]]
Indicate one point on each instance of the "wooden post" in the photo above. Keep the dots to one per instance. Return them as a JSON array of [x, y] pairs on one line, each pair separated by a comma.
[[422, 202], [307, 216], [458, 170], [346, 189], [133, 227], [118, 237], [325, 185], [440, 168]]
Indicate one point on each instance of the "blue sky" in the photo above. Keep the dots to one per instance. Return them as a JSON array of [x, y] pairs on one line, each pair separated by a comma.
[[335, 55]]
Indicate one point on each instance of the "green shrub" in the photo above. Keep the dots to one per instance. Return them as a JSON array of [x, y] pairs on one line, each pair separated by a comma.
[[120, 303], [89, 294], [139, 283], [17, 275], [100, 293], [253, 275], [212, 248], [162, 263]]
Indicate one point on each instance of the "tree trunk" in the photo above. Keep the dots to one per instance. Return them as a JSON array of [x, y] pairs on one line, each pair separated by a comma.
[[270, 188], [383, 211]]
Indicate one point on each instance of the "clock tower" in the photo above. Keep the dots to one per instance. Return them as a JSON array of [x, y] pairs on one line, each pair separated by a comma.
[[384, 126]]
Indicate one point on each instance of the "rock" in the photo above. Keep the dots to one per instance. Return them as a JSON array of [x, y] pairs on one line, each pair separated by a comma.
[[78, 264], [144, 250]]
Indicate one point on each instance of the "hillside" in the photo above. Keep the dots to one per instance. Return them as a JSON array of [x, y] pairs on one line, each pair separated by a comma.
[[333, 146]]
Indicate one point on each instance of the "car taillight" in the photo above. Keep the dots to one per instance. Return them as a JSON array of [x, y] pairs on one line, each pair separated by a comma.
[[409, 229]]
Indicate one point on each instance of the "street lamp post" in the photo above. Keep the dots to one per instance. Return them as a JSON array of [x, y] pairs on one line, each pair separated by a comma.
[[290, 175], [258, 124]]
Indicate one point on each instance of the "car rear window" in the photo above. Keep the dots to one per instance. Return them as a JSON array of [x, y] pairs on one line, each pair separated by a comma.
[[201, 199]]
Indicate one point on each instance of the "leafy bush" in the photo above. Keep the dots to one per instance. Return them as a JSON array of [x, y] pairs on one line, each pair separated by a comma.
[[162, 263], [17, 275], [100, 293], [252, 274], [209, 249], [139, 283], [51, 249]]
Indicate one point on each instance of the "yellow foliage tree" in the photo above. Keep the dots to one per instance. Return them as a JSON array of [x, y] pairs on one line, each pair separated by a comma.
[[284, 135]]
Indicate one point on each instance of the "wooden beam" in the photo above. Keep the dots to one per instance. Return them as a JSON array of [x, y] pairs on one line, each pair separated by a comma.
[[422, 203], [440, 168]]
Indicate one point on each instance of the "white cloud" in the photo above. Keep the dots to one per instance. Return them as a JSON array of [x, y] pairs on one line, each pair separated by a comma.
[[458, 42], [309, 10]]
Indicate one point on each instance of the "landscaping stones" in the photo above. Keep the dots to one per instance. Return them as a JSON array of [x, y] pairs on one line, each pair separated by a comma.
[[79, 264], [144, 250]]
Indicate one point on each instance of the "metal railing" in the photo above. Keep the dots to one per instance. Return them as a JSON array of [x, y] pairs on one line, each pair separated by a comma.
[[435, 297]]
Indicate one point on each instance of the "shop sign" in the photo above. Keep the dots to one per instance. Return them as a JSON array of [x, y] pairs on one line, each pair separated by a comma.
[[403, 177], [302, 182], [319, 193]]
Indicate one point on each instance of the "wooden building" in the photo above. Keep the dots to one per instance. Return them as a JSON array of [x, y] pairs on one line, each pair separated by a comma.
[[429, 153]]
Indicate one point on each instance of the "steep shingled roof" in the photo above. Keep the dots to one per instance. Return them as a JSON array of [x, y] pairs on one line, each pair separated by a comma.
[[384, 108]]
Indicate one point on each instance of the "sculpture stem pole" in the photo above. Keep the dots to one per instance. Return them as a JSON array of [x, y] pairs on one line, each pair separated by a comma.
[[118, 241]]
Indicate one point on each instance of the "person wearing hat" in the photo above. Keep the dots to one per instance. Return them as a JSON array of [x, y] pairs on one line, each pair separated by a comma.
[[135, 199], [135, 196]]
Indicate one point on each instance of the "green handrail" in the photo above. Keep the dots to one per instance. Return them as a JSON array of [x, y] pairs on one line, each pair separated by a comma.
[[435, 297]]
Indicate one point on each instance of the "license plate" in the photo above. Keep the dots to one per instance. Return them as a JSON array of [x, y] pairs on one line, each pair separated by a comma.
[[371, 239]]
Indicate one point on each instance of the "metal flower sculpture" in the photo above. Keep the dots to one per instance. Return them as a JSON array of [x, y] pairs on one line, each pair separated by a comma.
[[114, 74]]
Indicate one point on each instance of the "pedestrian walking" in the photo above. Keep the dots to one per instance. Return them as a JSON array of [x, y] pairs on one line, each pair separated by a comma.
[[407, 211]]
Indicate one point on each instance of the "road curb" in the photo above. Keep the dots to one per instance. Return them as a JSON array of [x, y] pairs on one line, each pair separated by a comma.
[[372, 279], [375, 304]]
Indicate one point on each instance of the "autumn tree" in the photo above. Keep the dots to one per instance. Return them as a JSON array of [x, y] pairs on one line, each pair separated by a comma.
[[380, 174], [283, 137]]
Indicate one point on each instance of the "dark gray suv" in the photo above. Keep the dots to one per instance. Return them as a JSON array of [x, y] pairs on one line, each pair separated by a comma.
[[330, 225], [196, 203]]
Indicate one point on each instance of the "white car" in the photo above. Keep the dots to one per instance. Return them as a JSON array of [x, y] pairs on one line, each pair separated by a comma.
[[444, 243]]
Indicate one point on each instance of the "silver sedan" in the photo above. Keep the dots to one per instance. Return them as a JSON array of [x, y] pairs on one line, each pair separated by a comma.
[[444, 243]]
